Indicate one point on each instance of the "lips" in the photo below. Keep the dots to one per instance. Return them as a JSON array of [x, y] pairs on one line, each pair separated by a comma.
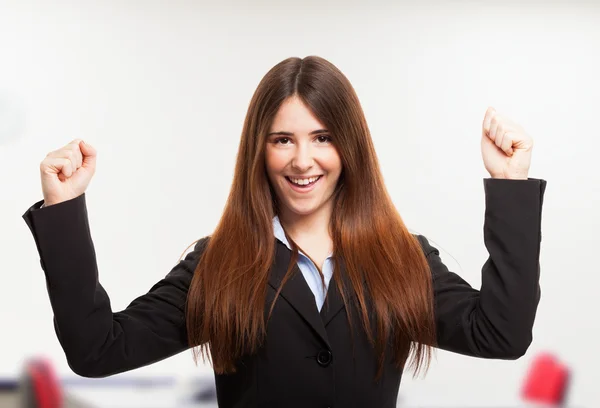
[[303, 188], [304, 185]]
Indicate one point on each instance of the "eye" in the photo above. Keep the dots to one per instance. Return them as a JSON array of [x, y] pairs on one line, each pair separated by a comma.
[[324, 138], [282, 140]]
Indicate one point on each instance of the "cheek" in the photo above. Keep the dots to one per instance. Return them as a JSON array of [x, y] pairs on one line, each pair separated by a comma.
[[274, 162], [332, 162]]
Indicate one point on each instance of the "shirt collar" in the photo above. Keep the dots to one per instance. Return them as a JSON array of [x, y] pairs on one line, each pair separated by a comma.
[[280, 234]]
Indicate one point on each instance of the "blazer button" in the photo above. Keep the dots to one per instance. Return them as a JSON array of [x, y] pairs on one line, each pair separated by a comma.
[[324, 358]]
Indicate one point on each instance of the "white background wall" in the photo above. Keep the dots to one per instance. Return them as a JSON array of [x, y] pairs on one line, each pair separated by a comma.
[[161, 89]]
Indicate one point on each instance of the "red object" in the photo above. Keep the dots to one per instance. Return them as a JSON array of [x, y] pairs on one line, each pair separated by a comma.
[[46, 391], [547, 381]]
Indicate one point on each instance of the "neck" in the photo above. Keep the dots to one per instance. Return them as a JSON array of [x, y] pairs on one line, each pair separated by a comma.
[[316, 223]]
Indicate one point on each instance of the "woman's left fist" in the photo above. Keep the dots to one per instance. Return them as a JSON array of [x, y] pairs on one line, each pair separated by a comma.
[[505, 147]]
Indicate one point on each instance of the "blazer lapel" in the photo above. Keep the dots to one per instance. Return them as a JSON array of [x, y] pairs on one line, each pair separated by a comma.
[[296, 291], [334, 303]]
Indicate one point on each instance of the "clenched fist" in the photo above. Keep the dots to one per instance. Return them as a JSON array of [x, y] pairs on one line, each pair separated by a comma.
[[66, 172], [505, 147]]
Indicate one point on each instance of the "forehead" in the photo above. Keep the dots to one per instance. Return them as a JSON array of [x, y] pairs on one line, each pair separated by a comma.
[[294, 116]]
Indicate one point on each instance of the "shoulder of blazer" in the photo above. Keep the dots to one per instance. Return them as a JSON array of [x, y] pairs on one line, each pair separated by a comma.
[[202, 244], [427, 248]]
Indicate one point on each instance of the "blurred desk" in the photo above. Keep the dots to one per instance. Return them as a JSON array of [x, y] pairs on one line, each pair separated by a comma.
[[13, 400]]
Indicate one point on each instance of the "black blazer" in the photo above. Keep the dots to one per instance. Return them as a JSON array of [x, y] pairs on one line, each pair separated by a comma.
[[307, 359]]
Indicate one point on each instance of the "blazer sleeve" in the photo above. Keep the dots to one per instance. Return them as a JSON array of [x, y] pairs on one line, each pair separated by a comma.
[[497, 320], [97, 341]]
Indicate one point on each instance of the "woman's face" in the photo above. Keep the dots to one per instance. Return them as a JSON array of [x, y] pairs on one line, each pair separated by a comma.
[[302, 163]]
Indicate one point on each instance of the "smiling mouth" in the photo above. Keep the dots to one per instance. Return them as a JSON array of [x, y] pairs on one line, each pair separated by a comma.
[[303, 183]]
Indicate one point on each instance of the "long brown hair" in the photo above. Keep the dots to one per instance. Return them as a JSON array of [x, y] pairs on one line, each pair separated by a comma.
[[226, 300]]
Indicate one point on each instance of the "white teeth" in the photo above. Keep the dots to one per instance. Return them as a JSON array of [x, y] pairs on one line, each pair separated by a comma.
[[303, 182]]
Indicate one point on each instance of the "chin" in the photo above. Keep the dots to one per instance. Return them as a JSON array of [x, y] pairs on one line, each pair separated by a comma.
[[302, 209]]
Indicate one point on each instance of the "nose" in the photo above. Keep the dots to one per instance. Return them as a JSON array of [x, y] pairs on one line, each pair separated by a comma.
[[303, 158]]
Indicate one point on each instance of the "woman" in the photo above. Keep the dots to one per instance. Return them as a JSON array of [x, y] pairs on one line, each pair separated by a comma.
[[310, 291]]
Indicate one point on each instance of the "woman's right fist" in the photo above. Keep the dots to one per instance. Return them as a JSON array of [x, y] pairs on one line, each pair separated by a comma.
[[67, 172]]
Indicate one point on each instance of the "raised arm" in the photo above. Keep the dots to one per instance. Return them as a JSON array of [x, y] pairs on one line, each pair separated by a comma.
[[97, 341], [497, 320]]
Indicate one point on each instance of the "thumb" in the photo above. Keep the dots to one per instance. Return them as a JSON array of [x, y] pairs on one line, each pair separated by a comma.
[[89, 155]]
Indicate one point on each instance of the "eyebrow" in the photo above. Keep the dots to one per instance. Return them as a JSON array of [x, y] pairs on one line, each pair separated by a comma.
[[282, 133]]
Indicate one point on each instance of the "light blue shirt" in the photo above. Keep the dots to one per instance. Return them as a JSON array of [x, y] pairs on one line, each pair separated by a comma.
[[308, 268]]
